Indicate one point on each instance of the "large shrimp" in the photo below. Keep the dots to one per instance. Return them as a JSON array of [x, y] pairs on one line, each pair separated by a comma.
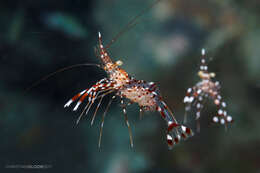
[[145, 94], [206, 88]]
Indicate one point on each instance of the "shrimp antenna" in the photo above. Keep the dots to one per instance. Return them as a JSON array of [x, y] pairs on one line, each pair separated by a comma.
[[56, 72], [131, 24]]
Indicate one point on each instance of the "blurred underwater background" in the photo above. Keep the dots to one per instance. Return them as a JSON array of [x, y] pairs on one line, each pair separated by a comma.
[[39, 37]]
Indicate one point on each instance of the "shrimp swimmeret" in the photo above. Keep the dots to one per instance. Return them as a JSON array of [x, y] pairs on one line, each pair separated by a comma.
[[145, 94]]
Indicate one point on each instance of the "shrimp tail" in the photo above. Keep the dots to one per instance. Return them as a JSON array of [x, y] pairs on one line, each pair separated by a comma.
[[175, 131]]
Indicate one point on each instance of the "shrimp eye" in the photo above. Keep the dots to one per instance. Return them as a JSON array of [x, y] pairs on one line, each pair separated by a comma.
[[212, 75], [119, 63]]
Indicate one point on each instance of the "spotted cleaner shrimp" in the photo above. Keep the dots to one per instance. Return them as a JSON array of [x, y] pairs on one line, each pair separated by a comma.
[[145, 94], [206, 88], [121, 85]]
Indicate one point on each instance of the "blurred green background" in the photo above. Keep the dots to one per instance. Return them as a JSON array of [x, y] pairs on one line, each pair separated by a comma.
[[39, 37]]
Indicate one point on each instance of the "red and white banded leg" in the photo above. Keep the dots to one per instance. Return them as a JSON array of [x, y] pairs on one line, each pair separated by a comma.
[[175, 131]]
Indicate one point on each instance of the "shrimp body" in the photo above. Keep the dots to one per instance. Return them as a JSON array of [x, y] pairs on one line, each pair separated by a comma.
[[145, 94], [140, 92], [208, 87]]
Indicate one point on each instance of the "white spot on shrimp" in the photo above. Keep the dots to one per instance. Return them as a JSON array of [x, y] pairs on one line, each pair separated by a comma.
[[169, 123], [216, 101], [164, 104], [229, 118], [197, 115], [191, 99], [169, 137], [89, 90], [186, 99], [187, 108], [198, 105], [222, 121], [82, 92], [68, 103], [189, 90], [215, 119], [220, 111], [183, 128], [224, 104], [154, 93], [203, 51], [199, 91], [179, 137], [99, 34], [77, 105], [89, 98]]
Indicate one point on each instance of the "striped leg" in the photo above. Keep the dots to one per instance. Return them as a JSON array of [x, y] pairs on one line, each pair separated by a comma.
[[194, 97], [100, 85], [91, 100], [75, 98], [175, 131], [93, 93], [199, 107], [92, 97], [198, 103], [221, 116]]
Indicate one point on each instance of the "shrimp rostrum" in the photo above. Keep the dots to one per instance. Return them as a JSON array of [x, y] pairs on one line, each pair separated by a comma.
[[122, 85]]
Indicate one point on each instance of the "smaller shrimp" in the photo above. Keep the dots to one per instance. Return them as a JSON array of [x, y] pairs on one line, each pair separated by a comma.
[[121, 84], [206, 88]]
